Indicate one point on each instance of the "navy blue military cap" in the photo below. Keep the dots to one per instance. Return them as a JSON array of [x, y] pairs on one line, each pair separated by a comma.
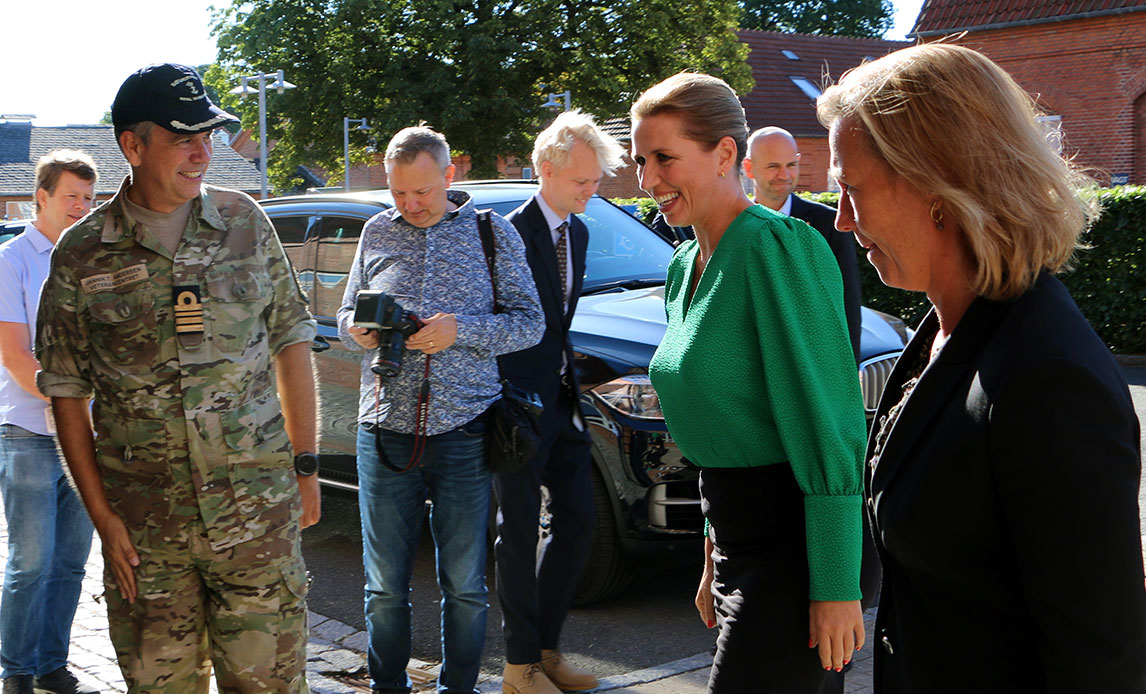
[[171, 95]]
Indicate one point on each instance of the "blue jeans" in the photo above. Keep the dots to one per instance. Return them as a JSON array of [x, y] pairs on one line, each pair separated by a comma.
[[49, 537], [454, 477]]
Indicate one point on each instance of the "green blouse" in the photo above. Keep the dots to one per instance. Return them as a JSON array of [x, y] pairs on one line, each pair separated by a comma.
[[757, 369]]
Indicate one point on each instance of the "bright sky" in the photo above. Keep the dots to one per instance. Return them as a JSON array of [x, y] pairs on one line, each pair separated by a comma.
[[65, 59]]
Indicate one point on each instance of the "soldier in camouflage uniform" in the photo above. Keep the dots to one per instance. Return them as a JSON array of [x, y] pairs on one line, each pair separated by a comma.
[[170, 304]]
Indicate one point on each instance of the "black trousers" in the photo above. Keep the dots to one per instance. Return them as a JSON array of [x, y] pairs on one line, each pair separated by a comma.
[[761, 584], [536, 592]]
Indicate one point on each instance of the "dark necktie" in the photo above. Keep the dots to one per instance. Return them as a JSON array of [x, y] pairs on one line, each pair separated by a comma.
[[562, 262]]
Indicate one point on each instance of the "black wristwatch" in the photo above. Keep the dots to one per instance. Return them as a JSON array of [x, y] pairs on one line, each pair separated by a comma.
[[305, 464]]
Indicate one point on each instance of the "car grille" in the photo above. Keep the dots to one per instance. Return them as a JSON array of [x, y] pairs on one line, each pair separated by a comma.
[[873, 377]]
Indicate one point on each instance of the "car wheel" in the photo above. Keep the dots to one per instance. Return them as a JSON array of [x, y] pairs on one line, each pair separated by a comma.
[[606, 570]]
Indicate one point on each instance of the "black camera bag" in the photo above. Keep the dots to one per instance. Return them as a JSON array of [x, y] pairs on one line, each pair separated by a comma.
[[513, 431]]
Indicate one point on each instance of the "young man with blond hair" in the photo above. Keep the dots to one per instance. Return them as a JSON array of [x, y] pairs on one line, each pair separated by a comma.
[[571, 157]]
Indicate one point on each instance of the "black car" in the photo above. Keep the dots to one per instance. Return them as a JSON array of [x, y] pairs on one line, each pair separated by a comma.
[[648, 503]]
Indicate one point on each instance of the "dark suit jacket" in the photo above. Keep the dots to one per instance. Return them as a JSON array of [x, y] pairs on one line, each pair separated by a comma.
[[539, 368], [1005, 509], [823, 219]]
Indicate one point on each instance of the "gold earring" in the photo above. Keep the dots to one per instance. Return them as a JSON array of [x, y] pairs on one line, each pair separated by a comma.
[[722, 174], [937, 215]]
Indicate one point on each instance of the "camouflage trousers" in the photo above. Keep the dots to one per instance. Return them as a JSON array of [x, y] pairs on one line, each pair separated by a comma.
[[242, 609]]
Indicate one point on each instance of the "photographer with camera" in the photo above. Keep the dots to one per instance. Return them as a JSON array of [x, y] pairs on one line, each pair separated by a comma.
[[419, 293]]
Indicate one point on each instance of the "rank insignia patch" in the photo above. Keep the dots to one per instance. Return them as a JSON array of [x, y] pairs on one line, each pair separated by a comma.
[[188, 310]]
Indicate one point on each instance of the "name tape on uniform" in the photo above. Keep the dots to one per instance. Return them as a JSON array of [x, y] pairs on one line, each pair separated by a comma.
[[188, 310], [114, 280]]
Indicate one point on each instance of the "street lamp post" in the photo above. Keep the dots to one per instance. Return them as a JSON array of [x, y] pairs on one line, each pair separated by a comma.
[[280, 84], [346, 146], [553, 103]]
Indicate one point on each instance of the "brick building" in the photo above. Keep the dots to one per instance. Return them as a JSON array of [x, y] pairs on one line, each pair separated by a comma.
[[790, 70], [1084, 60]]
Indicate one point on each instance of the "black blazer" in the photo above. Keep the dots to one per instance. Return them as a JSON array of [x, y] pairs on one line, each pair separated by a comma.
[[823, 219], [539, 368], [1005, 510]]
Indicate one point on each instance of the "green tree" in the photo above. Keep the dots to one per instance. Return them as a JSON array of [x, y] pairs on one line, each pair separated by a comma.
[[862, 18], [476, 71]]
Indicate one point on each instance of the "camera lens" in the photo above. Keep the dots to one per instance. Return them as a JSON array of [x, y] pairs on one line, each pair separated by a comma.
[[388, 361]]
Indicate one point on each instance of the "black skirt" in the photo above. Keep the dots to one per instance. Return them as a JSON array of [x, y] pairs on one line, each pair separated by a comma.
[[761, 584]]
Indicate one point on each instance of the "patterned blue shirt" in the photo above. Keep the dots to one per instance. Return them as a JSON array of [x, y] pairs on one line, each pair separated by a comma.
[[442, 269]]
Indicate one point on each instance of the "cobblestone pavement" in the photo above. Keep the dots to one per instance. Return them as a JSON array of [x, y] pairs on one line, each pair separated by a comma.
[[336, 661]]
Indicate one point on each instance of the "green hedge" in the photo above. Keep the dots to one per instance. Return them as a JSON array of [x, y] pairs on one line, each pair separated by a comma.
[[1108, 281]]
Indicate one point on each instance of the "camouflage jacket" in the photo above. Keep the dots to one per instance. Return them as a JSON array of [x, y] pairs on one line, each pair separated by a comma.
[[176, 352]]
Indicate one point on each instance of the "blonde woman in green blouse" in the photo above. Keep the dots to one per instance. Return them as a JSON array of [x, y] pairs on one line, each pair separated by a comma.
[[759, 389]]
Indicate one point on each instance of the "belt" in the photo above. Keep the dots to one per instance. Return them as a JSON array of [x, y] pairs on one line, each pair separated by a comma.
[[15, 430]]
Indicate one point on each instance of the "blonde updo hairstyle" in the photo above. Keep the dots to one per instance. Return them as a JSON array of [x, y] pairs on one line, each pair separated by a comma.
[[957, 126], [707, 107]]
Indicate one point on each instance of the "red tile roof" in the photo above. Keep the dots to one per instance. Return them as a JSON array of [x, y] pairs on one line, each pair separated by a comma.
[[776, 99], [950, 16]]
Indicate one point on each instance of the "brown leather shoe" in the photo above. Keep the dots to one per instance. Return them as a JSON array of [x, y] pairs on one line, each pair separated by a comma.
[[566, 676], [526, 679]]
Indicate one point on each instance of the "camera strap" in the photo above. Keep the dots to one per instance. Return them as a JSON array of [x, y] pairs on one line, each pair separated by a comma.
[[485, 231], [421, 418]]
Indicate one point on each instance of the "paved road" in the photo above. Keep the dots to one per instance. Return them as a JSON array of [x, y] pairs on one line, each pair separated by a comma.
[[650, 623]]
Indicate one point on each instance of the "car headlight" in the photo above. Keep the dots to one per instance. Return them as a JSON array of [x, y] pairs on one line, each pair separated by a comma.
[[632, 396]]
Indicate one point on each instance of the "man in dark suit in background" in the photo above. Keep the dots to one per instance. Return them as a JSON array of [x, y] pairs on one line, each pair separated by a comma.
[[773, 164], [571, 157]]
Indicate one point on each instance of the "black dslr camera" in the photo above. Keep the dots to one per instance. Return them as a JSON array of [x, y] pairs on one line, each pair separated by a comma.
[[377, 310]]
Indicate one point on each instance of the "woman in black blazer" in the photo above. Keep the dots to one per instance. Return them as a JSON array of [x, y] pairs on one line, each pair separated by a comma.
[[1004, 463]]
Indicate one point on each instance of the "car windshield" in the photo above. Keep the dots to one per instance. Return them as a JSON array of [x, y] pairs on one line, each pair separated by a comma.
[[622, 252]]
